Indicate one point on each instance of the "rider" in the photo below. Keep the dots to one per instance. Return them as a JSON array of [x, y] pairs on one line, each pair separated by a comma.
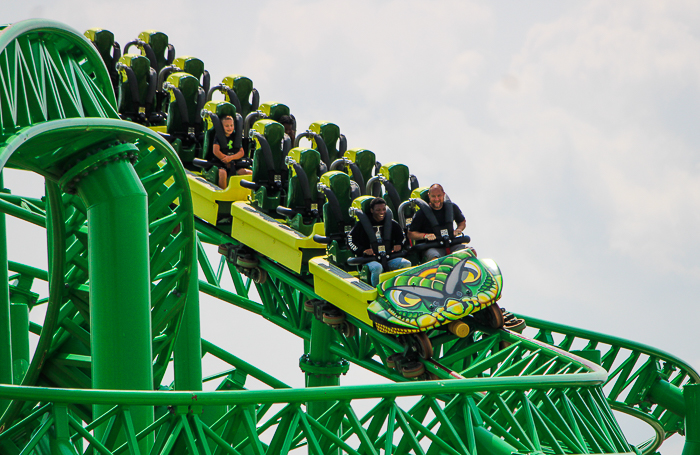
[[225, 158], [290, 126], [360, 243], [421, 228]]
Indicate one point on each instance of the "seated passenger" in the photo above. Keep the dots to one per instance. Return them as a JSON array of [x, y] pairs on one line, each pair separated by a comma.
[[360, 243], [226, 159], [422, 229], [290, 126]]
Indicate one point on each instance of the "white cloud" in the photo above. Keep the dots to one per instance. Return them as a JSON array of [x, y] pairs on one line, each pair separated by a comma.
[[588, 107]]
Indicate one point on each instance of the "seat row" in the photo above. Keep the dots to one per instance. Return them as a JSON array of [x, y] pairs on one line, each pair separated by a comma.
[[324, 182]]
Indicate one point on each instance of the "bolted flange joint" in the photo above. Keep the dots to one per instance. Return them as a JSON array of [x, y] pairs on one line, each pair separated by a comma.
[[94, 161], [329, 369]]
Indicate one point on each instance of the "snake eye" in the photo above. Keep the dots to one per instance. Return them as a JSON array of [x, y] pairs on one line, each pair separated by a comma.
[[405, 299], [471, 273]]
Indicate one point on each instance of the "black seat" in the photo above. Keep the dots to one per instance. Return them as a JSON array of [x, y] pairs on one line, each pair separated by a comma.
[[302, 205], [184, 123], [270, 174], [137, 91], [337, 221], [109, 50]]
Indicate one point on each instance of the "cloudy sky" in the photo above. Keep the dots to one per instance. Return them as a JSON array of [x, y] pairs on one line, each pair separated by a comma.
[[564, 130]]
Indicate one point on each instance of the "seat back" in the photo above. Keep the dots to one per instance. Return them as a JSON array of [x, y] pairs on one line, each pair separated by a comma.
[[184, 123], [109, 50], [269, 169], [337, 221], [164, 52], [302, 194], [133, 88], [330, 133], [410, 211], [274, 110], [398, 176], [421, 193], [365, 161], [248, 96], [195, 67], [188, 120], [273, 132], [308, 160], [362, 203]]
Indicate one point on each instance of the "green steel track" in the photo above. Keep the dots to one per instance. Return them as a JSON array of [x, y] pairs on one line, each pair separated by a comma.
[[123, 304]]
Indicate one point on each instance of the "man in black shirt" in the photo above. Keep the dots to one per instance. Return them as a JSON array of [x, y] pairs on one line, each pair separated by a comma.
[[361, 244], [422, 229]]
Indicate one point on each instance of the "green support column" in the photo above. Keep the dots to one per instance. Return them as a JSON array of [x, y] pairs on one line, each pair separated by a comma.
[[322, 368], [19, 315], [691, 393], [188, 346], [21, 297], [5, 321], [120, 319]]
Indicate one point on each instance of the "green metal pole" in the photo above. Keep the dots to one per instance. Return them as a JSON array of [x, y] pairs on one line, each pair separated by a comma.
[[19, 315], [120, 319], [187, 354], [691, 393], [669, 396], [321, 366], [5, 321], [188, 346], [21, 297]]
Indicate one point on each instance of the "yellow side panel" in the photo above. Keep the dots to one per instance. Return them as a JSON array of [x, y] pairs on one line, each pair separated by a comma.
[[342, 289], [270, 237], [205, 195]]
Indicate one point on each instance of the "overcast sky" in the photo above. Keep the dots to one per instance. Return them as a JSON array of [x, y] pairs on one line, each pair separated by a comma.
[[566, 131]]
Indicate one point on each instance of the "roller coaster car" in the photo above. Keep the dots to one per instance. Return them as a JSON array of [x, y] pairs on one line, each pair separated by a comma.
[[211, 203], [137, 91], [361, 210], [270, 174], [455, 293], [326, 138], [184, 124], [109, 50], [302, 206]]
